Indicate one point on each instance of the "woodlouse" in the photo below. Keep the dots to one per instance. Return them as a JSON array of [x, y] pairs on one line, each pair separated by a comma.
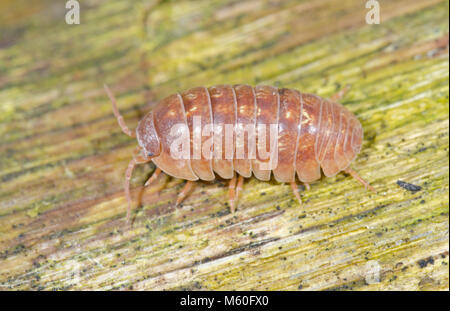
[[312, 134]]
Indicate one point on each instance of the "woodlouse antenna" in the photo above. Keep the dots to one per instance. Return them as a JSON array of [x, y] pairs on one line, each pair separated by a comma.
[[119, 117], [339, 95]]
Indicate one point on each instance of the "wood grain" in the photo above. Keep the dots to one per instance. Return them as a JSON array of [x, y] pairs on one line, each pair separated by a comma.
[[63, 157]]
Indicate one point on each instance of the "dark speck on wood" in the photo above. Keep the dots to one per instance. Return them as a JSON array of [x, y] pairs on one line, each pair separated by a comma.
[[408, 186], [424, 262]]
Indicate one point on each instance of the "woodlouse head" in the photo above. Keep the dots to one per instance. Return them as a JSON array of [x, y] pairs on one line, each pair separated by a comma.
[[147, 137]]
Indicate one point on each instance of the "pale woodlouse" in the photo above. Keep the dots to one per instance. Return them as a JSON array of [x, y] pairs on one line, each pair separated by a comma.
[[313, 133]]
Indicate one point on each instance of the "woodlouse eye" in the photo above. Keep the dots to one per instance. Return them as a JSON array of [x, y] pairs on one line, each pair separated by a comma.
[[150, 154]]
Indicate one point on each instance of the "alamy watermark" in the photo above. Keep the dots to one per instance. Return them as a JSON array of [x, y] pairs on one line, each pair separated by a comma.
[[372, 271], [226, 141], [73, 12], [373, 15]]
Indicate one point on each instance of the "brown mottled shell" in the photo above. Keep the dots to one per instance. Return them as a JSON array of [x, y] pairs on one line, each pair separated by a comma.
[[313, 133]]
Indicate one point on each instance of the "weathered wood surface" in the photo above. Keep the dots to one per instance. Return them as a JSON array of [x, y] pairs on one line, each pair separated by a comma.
[[62, 155]]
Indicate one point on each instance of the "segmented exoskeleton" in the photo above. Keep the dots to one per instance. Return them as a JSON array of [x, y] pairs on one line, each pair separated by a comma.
[[312, 133]]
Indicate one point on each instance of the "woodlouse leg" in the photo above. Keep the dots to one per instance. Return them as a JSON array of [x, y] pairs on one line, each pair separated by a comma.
[[340, 94], [296, 192], [233, 191], [359, 179], [119, 117], [128, 174], [153, 177], [185, 191], [308, 187]]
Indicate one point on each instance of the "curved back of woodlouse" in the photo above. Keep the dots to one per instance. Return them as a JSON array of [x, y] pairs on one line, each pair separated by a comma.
[[309, 134]]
